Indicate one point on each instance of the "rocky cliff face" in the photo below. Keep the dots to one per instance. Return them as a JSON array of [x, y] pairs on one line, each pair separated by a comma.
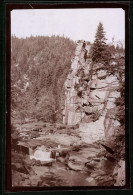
[[91, 92]]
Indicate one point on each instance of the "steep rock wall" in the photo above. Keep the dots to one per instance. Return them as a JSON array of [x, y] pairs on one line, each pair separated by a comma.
[[72, 114], [91, 91]]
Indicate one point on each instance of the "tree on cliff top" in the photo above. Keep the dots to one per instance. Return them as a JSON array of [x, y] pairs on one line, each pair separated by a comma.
[[100, 51]]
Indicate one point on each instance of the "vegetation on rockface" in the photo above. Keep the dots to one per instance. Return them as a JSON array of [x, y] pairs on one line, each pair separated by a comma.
[[113, 65], [117, 142], [100, 52], [39, 67], [117, 68]]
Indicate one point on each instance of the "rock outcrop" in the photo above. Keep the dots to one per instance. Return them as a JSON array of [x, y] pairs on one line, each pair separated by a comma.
[[74, 88], [95, 101], [91, 91]]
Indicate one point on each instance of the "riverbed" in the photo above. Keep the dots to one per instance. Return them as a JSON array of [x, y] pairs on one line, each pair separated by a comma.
[[75, 162]]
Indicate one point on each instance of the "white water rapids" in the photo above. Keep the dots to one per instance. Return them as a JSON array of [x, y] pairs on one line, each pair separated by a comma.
[[41, 155]]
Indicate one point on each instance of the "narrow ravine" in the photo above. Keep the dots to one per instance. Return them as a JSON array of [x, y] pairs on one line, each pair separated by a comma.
[[83, 151]]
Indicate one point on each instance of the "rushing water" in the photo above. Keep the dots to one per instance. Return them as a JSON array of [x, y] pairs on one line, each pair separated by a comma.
[[70, 170], [41, 155], [63, 170], [59, 175]]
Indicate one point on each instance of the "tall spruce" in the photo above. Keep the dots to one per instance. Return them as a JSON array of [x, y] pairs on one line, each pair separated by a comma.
[[100, 51]]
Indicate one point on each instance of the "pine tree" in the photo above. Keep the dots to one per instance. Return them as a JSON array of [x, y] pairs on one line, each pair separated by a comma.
[[100, 51]]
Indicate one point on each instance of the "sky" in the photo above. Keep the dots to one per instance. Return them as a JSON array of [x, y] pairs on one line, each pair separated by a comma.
[[77, 24]]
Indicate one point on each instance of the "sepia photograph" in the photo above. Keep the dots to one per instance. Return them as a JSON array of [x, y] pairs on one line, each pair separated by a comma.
[[68, 98]]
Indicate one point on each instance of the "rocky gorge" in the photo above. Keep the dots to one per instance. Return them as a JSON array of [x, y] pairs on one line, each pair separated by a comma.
[[88, 148]]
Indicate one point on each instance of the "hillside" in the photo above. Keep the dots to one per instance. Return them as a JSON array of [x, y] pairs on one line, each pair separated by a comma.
[[39, 67]]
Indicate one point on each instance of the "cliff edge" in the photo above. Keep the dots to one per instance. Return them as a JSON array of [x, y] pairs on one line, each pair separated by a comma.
[[91, 91]]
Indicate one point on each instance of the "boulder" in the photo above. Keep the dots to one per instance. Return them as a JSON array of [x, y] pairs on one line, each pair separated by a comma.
[[75, 165], [35, 180], [45, 163], [89, 167], [120, 171], [102, 74], [91, 181], [61, 159], [97, 173], [22, 148], [20, 168]]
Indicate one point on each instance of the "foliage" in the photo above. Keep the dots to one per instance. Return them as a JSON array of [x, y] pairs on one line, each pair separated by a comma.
[[39, 67], [100, 52], [117, 141]]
